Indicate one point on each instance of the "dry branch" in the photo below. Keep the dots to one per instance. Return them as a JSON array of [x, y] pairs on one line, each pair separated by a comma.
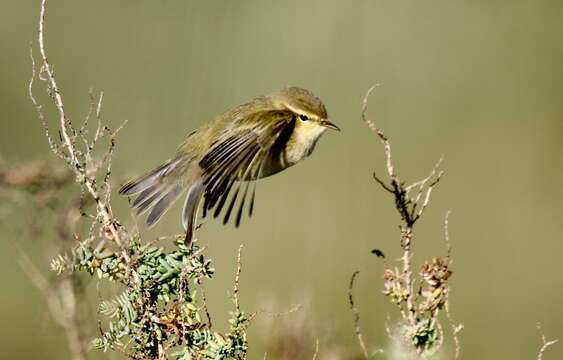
[[71, 154], [357, 328], [156, 311], [418, 298], [237, 279], [545, 343]]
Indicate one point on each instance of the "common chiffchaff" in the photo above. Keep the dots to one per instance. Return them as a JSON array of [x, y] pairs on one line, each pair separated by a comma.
[[244, 144]]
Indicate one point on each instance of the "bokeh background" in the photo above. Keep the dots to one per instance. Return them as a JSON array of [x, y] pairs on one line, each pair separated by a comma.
[[478, 81]]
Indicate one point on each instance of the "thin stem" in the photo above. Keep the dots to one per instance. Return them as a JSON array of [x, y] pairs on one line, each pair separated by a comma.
[[356, 316], [103, 210]]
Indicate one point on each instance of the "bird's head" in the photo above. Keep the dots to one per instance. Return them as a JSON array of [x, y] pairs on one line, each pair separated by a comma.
[[309, 110]]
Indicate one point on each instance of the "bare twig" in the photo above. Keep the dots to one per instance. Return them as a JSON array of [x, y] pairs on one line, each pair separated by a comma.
[[427, 196], [280, 314], [382, 137], [206, 309], [77, 160], [545, 343], [64, 123], [356, 316], [55, 93], [316, 353], [405, 205], [237, 277], [419, 299], [447, 234], [433, 179], [407, 273], [45, 180], [382, 183], [456, 329], [52, 145], [62, 304]]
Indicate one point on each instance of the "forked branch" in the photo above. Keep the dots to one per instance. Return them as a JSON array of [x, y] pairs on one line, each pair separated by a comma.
[[419, 298], [73, 157]]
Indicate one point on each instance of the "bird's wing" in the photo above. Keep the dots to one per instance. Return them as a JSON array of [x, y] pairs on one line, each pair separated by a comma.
[[240, 153]]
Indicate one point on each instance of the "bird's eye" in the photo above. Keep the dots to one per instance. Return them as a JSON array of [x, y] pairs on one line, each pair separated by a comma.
[[303, 117]]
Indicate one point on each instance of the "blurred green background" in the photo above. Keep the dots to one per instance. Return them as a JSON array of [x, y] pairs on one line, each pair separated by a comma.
[[478, 81]]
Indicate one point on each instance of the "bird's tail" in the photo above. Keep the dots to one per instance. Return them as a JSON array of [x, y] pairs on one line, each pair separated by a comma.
[[160, 188]]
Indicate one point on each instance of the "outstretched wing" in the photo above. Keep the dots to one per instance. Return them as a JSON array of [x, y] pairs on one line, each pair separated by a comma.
[[241, 154]]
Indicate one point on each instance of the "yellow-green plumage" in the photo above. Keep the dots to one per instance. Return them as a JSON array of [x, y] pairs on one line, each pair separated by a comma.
[[227, 154]]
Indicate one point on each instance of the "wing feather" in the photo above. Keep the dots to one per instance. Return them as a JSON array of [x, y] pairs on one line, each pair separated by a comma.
[[240, 154], [221, 183]]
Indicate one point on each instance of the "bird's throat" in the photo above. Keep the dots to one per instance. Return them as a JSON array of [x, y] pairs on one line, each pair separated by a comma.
[[302, 142]]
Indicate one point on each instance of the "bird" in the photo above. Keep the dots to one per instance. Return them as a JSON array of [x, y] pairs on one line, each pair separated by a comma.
[[228, 154]]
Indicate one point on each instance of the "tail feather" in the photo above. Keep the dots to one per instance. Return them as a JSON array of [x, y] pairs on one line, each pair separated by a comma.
[[146, 202], [155, 195], [159, 189], [163, 204], [147, 180], [144, 195], [190, 208]]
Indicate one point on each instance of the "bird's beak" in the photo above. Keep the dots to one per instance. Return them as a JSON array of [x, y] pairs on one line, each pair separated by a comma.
[[329, 125]]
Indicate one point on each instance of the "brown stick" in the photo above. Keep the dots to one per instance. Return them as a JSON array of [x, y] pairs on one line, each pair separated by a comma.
[[356, 315]]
